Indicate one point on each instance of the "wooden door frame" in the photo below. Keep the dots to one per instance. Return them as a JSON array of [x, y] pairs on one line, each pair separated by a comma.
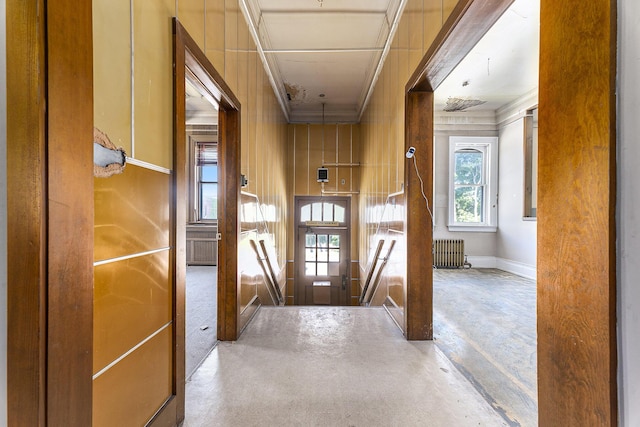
[[577, 348], [188, 54], [296, 219], [49, 212]]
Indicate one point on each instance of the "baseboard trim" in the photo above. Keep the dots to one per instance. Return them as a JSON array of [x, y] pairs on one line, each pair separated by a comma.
[[482, 261], [516, 267]]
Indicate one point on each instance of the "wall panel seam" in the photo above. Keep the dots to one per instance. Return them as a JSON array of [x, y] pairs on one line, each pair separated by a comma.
[[131, 350]]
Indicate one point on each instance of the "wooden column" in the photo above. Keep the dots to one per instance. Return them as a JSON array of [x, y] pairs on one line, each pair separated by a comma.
[[576, 238], [26, 213], [419, 229], [50, 212], [228, 224]]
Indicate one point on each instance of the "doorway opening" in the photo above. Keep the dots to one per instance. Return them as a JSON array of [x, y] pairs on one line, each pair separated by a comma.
[[322, 250], [201, 302]]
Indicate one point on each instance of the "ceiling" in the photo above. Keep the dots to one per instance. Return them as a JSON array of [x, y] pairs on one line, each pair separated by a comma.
[[323, 53], [323, 58]]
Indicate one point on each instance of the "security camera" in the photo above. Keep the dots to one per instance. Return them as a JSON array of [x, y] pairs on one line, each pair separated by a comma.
[[410, 152]]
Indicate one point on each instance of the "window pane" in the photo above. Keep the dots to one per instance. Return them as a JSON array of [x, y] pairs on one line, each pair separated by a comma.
[[339, 214], [328, 211], [305, 213], [323, 255], [209, 173], [334, 269], [334, 241], [209, 201], [468, 167], [323, 240], [311, 240], [334, 255], [469, 204], [316, 213], [310, 255], [310, 269], [323, 269]]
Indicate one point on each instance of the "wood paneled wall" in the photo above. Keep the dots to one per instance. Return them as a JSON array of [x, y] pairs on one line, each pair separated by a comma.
[[577, 358], [382, 125], [134, 105], [311, 146]]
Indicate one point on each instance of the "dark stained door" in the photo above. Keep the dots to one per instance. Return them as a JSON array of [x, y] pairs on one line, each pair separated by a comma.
[[322, 251]]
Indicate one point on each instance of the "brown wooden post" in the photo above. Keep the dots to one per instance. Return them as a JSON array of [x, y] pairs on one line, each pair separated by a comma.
[[577, 357], [26, 213], [419, 229], [228, 224], [50, 212]]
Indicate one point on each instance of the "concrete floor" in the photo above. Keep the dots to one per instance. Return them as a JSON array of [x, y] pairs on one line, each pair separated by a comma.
[[485, 323], [331, 366]]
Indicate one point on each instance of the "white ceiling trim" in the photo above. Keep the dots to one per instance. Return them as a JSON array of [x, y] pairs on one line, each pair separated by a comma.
[[263, 58], [387, 46]]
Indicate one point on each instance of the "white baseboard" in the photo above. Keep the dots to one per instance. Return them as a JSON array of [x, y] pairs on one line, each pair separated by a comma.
[[482, 261], [516, 267]]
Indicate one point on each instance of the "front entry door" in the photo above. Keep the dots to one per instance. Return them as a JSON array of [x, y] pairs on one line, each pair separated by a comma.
[[322, 251]]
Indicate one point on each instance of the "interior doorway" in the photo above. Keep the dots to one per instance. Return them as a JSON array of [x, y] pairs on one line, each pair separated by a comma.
[[322, 250], [201, 302]]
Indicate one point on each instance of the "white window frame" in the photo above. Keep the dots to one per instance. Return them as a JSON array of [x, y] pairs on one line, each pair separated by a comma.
[[489, 147]]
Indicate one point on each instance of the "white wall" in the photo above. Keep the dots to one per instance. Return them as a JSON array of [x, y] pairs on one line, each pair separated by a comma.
[[516, 238], [628, 211], [479, 246], [3, 216], [513, 246]]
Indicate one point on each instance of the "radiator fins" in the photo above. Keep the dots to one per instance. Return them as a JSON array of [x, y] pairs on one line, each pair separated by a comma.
[[449, 253]]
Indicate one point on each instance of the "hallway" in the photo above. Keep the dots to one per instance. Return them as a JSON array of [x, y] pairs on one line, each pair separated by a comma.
[[331, 366]]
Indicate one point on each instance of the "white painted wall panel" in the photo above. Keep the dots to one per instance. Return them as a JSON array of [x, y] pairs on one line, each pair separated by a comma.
[[628, 211], [516, 239]]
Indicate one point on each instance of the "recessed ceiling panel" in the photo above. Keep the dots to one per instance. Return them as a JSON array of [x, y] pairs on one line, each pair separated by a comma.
[[324, 30]]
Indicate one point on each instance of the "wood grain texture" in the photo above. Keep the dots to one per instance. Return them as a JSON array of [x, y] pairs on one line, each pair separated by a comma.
[[419, 229], [228, 225], [26, 213], [576, 239], [468, 22], [69, 212]]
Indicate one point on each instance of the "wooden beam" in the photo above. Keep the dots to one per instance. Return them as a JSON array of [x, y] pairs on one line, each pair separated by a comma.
[[419, 228], [70, 212], [466, 25], [26, 213], [577, 358]]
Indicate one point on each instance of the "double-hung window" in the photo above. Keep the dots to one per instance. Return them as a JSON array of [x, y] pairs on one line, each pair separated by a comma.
[[206, 175], [473, 165]]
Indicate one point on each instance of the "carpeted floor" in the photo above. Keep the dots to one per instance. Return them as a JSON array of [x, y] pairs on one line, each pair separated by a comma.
[[201, 318], [485, 322]]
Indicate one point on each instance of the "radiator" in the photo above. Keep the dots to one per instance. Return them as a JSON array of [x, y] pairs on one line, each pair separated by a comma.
[[448, 253]]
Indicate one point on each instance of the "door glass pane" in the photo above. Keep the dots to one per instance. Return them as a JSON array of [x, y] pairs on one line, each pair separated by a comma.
[[334, 241], [310, 269], [334, 269], [310, 254], [316, 212], [323, 255], [323, 240], [328, 212], [305, 213], [322, 269], [311, 240], [339, 214], [334, 255]]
